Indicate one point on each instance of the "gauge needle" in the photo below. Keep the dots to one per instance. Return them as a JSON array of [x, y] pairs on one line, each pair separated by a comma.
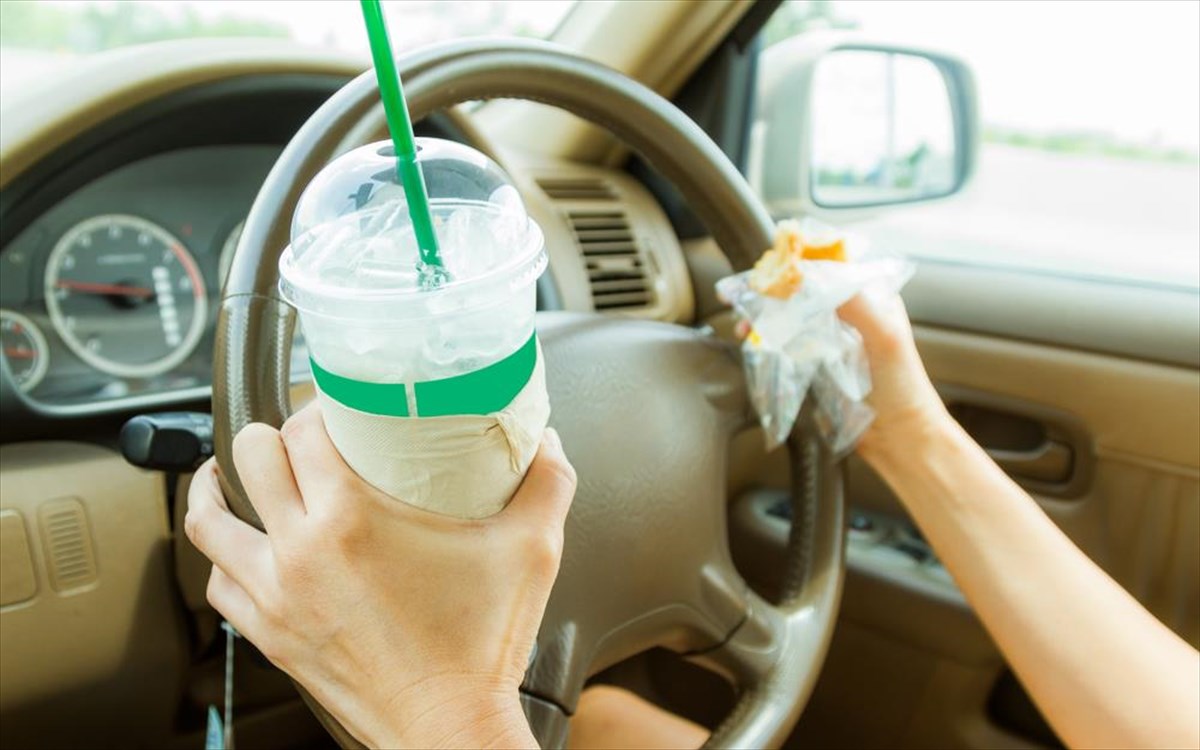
[[89, 287], [18, 352]]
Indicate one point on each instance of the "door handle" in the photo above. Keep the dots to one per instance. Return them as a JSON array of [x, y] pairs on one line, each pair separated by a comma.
[[1046, 450], [1052, 461]]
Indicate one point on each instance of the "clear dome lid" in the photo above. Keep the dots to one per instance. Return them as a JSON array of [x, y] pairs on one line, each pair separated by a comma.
[[353, 240], [366, 177]]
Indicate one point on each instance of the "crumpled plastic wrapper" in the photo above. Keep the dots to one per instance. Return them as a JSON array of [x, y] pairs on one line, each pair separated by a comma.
[[798, 347]]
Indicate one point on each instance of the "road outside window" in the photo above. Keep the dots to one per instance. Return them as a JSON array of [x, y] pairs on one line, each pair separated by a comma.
[[1089, 163]]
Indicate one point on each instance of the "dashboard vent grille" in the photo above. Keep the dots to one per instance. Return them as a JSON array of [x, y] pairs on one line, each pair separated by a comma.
[[67, 543], [614, 265], [577, 189]]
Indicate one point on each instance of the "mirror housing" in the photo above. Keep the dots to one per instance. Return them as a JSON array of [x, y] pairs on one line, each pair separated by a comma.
[[844, 126]]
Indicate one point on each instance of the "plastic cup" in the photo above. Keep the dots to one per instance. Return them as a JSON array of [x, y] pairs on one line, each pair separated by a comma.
[[433, 390]]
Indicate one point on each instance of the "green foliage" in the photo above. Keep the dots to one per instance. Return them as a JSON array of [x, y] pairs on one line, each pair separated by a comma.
[[1093, 144], [93, 28], [798, 16]]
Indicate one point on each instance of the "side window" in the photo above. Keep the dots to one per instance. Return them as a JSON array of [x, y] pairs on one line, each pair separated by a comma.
[[1090, 117]]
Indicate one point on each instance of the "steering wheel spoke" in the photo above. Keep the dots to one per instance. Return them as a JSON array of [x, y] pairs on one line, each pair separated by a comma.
[[749, 653], [547, 720]]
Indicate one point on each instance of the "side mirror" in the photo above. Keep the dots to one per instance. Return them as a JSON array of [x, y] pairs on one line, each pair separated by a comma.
[[843, 127]]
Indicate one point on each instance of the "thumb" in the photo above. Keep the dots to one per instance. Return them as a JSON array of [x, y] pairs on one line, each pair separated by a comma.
[[545, 494]]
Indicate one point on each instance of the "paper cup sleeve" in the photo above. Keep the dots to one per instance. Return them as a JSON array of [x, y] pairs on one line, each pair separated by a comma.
[[467, 466]]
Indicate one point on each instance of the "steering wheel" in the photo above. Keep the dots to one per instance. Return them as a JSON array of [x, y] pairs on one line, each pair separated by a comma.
[[646, 412]]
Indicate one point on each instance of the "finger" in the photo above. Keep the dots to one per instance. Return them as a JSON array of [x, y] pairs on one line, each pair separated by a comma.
[[230, 543], [863, 314], [741, 329], [545, 494], [320, 471], [859, 313], [264, 467], [235, 605], [882, 322]]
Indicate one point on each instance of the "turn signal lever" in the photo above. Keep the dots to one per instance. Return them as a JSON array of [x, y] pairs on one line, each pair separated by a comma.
[[174, 441]]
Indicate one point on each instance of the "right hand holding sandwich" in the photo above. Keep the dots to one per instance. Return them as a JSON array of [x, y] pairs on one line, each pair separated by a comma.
[[905, 402], [392, 617], [863, 387]]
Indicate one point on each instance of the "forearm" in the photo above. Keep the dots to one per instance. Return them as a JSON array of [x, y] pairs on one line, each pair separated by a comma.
[[1103, 670]]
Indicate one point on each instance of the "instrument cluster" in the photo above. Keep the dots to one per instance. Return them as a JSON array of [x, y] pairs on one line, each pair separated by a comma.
[[111, 294]]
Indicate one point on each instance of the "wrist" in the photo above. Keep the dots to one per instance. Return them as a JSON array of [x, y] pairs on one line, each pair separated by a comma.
[[484, 719], [892, 447]]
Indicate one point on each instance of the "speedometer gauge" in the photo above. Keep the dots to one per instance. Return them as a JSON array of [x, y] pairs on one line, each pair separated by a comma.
[[125, 296], [24, 348]]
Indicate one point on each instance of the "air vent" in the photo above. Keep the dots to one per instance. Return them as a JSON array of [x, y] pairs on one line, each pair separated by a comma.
[[614, 265], [67, 544], [577, 189]]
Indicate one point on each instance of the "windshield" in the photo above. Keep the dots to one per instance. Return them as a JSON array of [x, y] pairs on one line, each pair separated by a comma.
[[42, 36]]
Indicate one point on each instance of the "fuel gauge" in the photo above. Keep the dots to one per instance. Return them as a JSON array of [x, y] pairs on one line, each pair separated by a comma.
[[25, 349]]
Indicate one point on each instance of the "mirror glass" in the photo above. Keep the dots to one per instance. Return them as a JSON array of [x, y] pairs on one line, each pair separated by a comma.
[[882, 129]]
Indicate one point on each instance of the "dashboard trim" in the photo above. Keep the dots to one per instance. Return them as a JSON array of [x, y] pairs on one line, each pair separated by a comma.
[[179, 120], [123, 80], [132, 403]]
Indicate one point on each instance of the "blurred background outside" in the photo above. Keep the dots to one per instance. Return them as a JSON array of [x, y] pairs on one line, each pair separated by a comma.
[[1089, 164], [38, 37], [1090, 110]]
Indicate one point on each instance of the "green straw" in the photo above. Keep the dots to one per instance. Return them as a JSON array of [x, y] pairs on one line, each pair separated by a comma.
[[401, 129]]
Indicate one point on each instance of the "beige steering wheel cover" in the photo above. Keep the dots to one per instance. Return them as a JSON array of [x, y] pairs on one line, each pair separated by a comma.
[[772, 651]]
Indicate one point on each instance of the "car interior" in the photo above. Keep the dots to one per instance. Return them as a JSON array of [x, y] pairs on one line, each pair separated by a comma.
[[776, 598]]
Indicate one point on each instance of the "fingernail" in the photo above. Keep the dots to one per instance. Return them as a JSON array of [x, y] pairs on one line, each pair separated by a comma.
[[553, 439]]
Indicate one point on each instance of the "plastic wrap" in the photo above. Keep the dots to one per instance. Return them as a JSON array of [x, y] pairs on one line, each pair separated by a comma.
[[796, 345]]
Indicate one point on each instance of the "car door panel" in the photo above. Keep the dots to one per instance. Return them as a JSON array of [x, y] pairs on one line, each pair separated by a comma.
[[1130, 319]]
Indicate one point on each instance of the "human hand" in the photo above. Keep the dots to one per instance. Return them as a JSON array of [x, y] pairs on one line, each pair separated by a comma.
[[907, 407], [412, 628]]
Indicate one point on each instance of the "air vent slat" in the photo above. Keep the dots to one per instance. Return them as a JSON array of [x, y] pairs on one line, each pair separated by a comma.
[[598, 275], [606, 226], [622, 301], [615, 266], [612, 286], [604, 235], [605, 248], [577, 189], [596, 221]]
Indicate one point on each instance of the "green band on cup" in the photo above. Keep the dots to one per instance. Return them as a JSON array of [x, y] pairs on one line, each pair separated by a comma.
[[480, 392], [388, 399]]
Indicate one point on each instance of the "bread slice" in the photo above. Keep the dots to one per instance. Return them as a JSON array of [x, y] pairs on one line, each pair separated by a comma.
[[777, 273]]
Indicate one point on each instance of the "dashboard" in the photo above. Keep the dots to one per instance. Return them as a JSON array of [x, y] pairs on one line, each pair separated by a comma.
[[114, 243], [111, 293]]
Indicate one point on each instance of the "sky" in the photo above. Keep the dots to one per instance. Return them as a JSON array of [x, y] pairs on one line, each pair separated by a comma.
[[339, 23], [1129, 68]]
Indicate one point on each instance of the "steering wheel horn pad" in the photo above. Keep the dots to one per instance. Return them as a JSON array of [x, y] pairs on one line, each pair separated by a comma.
[[646, 411]]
